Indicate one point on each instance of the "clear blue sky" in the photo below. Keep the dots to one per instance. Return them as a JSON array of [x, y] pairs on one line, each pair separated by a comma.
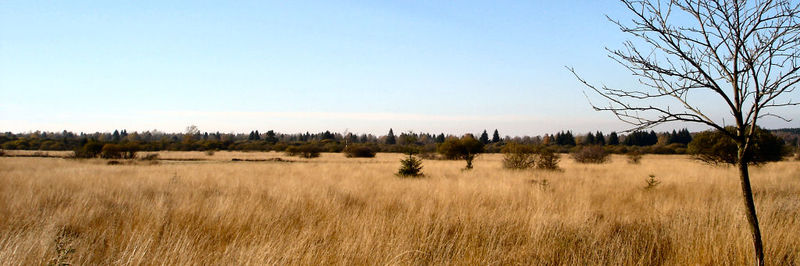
[[292, 66]]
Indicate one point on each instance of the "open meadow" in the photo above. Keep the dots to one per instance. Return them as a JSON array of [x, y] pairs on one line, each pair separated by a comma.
[[194, 208]]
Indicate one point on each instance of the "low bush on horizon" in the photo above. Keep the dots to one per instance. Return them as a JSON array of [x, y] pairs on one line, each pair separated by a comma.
[[591, 154], [359, 151], [304, 151]]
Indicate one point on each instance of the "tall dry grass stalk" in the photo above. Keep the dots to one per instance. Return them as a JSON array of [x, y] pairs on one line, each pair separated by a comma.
[[334, 210]]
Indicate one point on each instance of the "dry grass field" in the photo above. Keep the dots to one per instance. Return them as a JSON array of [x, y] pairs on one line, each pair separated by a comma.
[[336, 210]]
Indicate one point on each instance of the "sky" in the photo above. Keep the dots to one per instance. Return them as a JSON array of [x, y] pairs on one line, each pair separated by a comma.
[[295, 66]]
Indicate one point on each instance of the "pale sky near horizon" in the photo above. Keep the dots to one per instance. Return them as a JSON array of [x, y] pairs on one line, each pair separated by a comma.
[[296, 66]]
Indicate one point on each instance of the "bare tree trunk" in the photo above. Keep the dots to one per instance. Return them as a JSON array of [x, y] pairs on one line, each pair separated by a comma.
[[750, 207]]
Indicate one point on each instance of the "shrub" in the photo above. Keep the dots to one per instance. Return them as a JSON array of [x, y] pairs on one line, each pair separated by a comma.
[[111, 151], [410, 167], [332, 146], [304, 151], [119, 151], [518, 156], [279, 147], [715, 147], [466, 148], [359, 151], [89, 150], [548, 160], [634, 157], [591, 154]]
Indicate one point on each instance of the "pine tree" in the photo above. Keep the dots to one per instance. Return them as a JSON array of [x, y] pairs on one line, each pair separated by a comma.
[[569, 139], [327, 135], [652, 138], [599, 139], [390, 138], [673, 138], [684, 136], [440, 138], [271, 137], [613, 139], [496, 137], [484, 137]]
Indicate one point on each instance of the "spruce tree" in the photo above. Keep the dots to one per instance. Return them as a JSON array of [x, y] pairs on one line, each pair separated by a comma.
[[440, 138], [271, 137], [599, 139], [613, 139], [569, 139], [672, 138], [484, 137], [496, 137], [652, 138], [390, 138], [410, 167]]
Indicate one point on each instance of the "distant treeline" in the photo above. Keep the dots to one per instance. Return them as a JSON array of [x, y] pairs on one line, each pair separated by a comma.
[[673, 142]]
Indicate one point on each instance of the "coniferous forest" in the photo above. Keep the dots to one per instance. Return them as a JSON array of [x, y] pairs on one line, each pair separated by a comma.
[[674, 142]]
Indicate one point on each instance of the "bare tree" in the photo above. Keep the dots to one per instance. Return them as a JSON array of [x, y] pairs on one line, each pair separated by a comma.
[[743, 54]]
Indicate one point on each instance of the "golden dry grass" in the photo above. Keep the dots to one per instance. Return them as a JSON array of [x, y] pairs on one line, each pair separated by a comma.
[[335, 210]]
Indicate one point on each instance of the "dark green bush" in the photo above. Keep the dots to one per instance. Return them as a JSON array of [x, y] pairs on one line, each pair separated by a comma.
[[89, 150], [119, 151], [591, 154], [304, 151], [466, 148], [359, 151], [715, 147]]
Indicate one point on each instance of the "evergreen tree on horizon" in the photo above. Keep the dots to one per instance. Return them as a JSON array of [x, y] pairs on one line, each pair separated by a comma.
[[613, 139], [440, 138], [390, 138], [599, 139], [484, 139]]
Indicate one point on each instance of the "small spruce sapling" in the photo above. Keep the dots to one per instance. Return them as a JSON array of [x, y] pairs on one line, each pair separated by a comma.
[[652, 183]]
